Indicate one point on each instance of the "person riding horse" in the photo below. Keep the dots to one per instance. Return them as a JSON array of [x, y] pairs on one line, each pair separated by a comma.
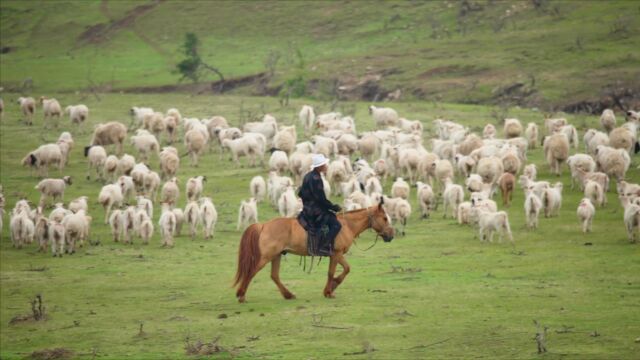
[[318, 214]]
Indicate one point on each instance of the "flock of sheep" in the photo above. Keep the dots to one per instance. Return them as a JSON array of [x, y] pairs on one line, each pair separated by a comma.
[[361, 164]]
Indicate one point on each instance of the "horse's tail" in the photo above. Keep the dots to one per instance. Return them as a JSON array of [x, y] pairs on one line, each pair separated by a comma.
[[248, 254]]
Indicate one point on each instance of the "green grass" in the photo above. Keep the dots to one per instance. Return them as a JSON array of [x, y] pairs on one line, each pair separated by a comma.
[[454, 297], [342, 40]]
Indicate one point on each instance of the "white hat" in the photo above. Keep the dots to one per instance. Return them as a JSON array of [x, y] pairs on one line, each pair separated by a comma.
[[319, 160]]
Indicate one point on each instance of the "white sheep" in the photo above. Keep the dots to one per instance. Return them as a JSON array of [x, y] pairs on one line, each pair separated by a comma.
[[22, 228], [146, 230], [126, 164], [111, 133], [613, 162], [78, 114], [552, 200], [512, 128], [77, 229], [194, 187], [532, 207], [78, 204], [490, 169], [195, 143], [53, 188], [350, 186], [127, 186], [285, 139], [608, 120], [586, 211], [57, 234], [307, 118], [414, 126], [209, 216], [623, 137], [553, 125], [138, 114], [490, 222], [110, 196], [110, 168], [97, 156], [426, 198], [580, 162], [151, 184], [368, 145], [595, 193], [169, 162], [288, 203], [59, 212], [192, 217], [401, 189], [258, 188], [593, 138], [383, 116], [556, 150], [347, 144], [167, 225], [43, 158], [453, 196], [325, 146], [276, 185], [50, 108], [299, 165], [337, 173], [179, 214], [267, 129], [279, 161], [170, 192], [372, 185], [28, 107], [530, 171], [248, 213], [489, 131], [631, 217], [628, 189], [146, 144], [244, 146], [115, 224], [531, 133]]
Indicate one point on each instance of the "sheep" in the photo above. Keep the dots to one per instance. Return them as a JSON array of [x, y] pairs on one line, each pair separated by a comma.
[[144, 204], [179, 214], [128, 224], [325, 146], [65, 150], [78, 114], [127, 186], [285, 139], [111, 133], [350, 186], [409, 160], [167, 225], [633, 115], [276, 185], [595, 192], [453, 195], [126, 164], [209, 216], [307, 118], [613, 162], [580, 162], [608, 120], [383, 116], [28, 107], [154, 122], [512, 128], [531, 134], [381, 169], [628, 189], [464, 164], [474, 183], [538, 187], [146, 230], [215, 124], [110, 196], [145, 143], [532, 207], [299, 165], [170, 192], [66, 137], [623, 138], [490, 222], [463, 215], [552, 200], [489, 131], [553, 125], [248, 213], [52, 188], [593, 138], [195, 142], [192, 217], [97, 157], [337, 173], [78, 204], [530, 171], [400, 188], [442, 170], [413, 126], [244, 146], [22, 228], [194, 187], [506, 182], [631, 217], [426, 199], [402, 212], [490, 169], [372, 185], [586, 211], [43, 158], [59, 212], [287, 203], [511, 163], [151, 184], [138, 114], [57, 234], [358, 200], [470, 143], [279, 161], [347, 144], [77, 229], [258, 188], [50, 108], [556, 151], [110, 168], [226, 133], [268, 129], [169, 162], [368, 145], [41, 232], [115, 224]]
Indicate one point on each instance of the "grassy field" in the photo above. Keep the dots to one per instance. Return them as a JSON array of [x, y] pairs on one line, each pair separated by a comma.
[[436, 293], [563, 51]]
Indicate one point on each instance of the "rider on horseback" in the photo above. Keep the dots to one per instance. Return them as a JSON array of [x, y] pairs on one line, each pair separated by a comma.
[[318, 214]]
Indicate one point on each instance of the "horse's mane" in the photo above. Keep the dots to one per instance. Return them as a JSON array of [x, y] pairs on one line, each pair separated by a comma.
[[353, 211]]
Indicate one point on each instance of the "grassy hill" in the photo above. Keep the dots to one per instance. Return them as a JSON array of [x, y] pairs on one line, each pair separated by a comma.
[[539, 52]]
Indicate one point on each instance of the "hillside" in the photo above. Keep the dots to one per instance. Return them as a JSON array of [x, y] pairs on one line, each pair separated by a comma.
[[537, 53]]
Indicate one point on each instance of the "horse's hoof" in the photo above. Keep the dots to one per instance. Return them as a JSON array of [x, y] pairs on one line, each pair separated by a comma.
[[289, 296], [241, 299]]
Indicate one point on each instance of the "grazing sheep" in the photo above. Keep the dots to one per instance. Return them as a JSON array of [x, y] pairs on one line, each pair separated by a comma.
[[512, 128], [50, 108], [28, 107], [57, 234], [307, 118], [586, 211], [593, 138], [288, 203], [146, 144], [258, 188], [209, 216], [608, 120], [631, 217], [552, 200], [426, 199], [167, 225], [595, 192], [490, 169], [267, 129], [78, 114], [110, 196], [556, 151], [453, 195], [613, 162], [44, 157], [490, 222], [383, 116], [531, 171], [532, 207], [578, 163], [244, 146], [194, 187], [192, 217], [171, 192], [52, 188], [111, 133], [285, 139], [195, 142], [400, 188], [78, 204], [279, 161], [623, 138], [531, 134], [248, 213], [507, 183], [97, 156]]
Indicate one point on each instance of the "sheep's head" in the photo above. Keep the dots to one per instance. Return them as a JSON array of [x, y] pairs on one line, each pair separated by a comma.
[[67, 180]]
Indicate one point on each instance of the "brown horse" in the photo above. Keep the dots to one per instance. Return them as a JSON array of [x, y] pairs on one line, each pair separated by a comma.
[[264, 243]]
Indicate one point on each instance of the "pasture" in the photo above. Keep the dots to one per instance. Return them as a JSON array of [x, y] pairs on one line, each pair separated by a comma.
[[438, 292]]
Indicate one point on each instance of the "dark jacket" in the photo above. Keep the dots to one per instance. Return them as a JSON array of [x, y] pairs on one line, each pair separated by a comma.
[[316, 209]]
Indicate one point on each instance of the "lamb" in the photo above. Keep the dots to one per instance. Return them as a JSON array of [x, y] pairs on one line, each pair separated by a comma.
[[511, 163], [167, 225], [553, 125], [490, 169], [78, 114], [512, 128], [222, 134], [145, 143], [77, 229], [538, 187], [110, 196], [195, 187], [126, 164], [78, 204], [381, 168], [586, 211], [507, 182], [195, 142], [592, 139], [128, 224], [209, 216], [155, 123], [490, 222], [279, 161], [288, 203], [41, 233], [285, 139], [146, 230], [127, 186], [244, 146], [552, 200], [248, 213], [52, 188], [531, 134], [442, 170], [580, 162], [613, 162], [215, 124], [426, 198], [401, 189], [22, 228], [115, 223], [470, 143], [464, 164], [489, 131], [631, 217], [556, 150], [402, 212], [453, 195], [530, 171], [59, 212], [628, 189], [111, 133], [57, 234], [110, 168], [595, 193], [464, 213], [480, 202], [192, 216], [532, 207], [474, 183], [50, 108], [28, 107], [307, 118], [608, 120], [97, 156], [412, 126], [151, 184], [179, 214], [276, 186], [169, 162], [305, 147], [383, 116], [171, 192], [258, 188], [299, 165]]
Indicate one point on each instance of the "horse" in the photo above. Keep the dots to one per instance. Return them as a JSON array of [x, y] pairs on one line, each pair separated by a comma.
[[266, 242]]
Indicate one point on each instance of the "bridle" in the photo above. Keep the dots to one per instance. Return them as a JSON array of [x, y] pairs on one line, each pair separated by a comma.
[[369, 226]]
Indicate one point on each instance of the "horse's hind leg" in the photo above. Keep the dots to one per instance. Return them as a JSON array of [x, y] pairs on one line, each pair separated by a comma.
[[244, 285], [328, 289], [275, 276]]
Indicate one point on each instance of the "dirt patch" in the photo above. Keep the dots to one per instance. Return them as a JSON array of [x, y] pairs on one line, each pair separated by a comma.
[[616, 97], [200, 348], [98, 33], [51, 354]]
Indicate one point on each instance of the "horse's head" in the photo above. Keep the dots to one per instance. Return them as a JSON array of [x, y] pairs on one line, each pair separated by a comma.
[[379, 221]]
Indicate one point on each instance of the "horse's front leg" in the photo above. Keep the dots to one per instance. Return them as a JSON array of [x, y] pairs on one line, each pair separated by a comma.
[[345, 271], [328, 289]]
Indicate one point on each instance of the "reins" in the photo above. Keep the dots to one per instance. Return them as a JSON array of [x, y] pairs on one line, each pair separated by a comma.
[[370, 218]]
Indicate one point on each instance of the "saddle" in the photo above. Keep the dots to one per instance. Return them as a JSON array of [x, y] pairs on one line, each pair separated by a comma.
[[318, 242]]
